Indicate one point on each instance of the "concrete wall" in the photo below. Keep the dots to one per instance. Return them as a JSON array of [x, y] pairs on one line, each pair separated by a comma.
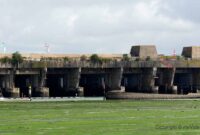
[[98, 81]]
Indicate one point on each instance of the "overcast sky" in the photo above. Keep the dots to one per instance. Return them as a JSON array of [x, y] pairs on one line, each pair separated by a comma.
[[98, 26]]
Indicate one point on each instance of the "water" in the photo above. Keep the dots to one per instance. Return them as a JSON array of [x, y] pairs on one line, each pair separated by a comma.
[[47, 99]]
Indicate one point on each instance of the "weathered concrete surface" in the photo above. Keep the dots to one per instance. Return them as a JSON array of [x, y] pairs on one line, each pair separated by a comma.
[[142, 51], [42, 92], [9, 85], [165, 80], [12, 92], [72, 81], [148, 80], [40, 84], [113, 79], [128, 95]]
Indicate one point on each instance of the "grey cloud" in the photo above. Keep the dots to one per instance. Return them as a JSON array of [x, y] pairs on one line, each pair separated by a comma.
[[100, 26], [188, 10]]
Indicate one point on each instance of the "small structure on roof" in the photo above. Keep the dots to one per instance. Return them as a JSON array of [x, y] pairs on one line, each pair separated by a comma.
[[144, 51], [191, 52]]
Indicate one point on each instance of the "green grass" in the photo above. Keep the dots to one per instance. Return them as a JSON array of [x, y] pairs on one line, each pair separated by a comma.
[[100, 118]]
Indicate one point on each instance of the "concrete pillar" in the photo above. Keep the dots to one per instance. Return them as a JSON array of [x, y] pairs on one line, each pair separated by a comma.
[[10, 90], [147, 83], [40, 82], [72, 81], [113, 79], [166, 80]]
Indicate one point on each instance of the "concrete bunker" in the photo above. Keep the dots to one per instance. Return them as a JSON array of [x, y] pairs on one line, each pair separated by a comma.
[[191, 52], [144, 51]]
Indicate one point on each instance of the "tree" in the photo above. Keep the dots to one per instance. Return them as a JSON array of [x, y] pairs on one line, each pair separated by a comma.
[[16, 59], [94, 58], [66, 59], [83, 58]]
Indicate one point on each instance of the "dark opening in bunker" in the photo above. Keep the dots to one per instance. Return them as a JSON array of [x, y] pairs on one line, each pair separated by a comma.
[[23, 82], [184, 83], [131, 82], [93, 84], [55, 83]]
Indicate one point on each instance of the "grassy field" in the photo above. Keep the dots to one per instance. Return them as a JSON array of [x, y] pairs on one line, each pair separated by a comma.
[[100, 118]]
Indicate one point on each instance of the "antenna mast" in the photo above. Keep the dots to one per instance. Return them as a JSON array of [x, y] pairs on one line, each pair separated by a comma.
[[47, 47]]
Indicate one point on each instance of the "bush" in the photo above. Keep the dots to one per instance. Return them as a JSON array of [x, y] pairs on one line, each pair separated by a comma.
[[66, 59], [137, 59], [125, 57], [167, 58], [5, 59], [16, 58], [179, 58], [106, 60], [83, 58], [94, 58]]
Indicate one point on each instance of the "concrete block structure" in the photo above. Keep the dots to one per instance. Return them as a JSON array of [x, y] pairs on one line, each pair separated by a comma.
[[57, 78], [144, 51], [191, 52]]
